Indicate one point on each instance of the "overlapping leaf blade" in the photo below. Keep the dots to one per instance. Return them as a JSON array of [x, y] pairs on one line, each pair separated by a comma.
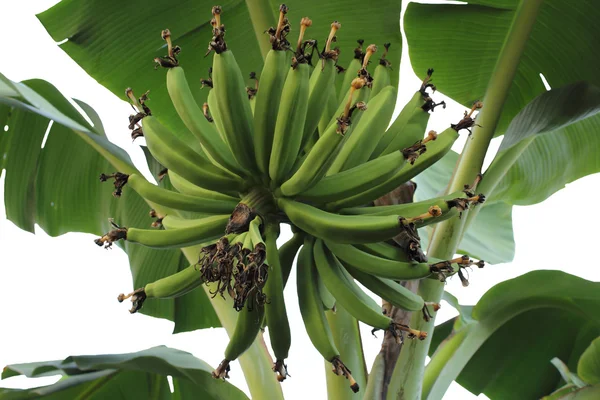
[[57, 187], [462, 42], [518, 327], [124, 376]]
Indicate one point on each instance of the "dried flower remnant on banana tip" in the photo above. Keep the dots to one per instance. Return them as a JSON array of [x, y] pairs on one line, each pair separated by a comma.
[[344, 121]]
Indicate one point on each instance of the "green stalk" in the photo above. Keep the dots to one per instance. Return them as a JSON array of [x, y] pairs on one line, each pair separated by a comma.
[[346, 337], [262, 17], [255, 362], [407, 379]]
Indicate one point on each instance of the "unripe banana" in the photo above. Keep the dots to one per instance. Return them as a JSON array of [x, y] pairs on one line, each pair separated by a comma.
[[193, 118], [178, 201], [412, 131], [275, 312], [381, 75], [340, 228], [291, 118], [353, 68], [213, 107], [355, 180], [178, 157], [268, 98], [246, 330], [234, 109], [345, 290], [322, 87], [328, 112], [416, 208], [366, 134], [313, 315], [389, 290], [197, 231], [382, 267], [435, 151], [397, 127], [186, 187], [287, 253]]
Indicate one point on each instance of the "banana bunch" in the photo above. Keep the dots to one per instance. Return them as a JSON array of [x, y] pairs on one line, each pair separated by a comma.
[[293, 149]]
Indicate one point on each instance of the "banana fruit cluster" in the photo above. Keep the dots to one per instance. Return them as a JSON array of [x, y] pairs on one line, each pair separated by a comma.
[[293, 149]]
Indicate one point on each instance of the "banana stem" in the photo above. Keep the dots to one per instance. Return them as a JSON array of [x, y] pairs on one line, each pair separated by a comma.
[[408, 374], [262, 17], [255, 362]]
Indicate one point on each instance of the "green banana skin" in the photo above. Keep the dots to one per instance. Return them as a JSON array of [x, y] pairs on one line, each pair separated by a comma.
[[176, 200], [387, 289], [345, 290], [355, 180], [234, 109], [287, 253], [272, 79], [417, 208], [322, 87], [435, 151], [185, 187], [397, 127], [385, 250], [193, 118], [275, 312], [311, 306], [381, 79], [246, 330], [367, 132], [340, 228], [178, 157], [328, 112], [197, 233], [411, 132], [175, 285], [351, 73], [378, 266], [325, 295], [291, 119], [316, 163], [213, 108]]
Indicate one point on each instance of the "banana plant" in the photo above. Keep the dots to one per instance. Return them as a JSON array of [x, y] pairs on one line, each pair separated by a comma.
[[311, 142]]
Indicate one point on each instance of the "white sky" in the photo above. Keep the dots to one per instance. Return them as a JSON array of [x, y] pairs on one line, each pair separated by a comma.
[[58, 295]]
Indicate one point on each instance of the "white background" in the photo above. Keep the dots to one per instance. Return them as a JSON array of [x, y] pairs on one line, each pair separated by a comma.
[[58, 295]]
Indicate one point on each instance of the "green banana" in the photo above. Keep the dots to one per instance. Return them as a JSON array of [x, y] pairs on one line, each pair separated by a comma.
[[389, 290], [328, 112], [289, 128], [381, 75], [420, 207], [275, 312], [178, 157], [340, 228], [322, 154], [268, 98], [398, 126], [185, 187], [234, 109], [435, 151], [178, 201], [193, 118], [346, 291], [246, 330], [378, 266], [322, 86], [367, 132], [313, 315], [213, 107], [411, 132], [325, 295], [287, 253], [197, 231], [355, 180], [384, 250], [353, 68]]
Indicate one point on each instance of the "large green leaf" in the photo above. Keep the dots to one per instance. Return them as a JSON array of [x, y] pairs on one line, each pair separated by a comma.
[[514, 331], [124, 376], [57, 187], [462, 42], [494, 246], [116, 41], [554, 140], [588, 367]]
